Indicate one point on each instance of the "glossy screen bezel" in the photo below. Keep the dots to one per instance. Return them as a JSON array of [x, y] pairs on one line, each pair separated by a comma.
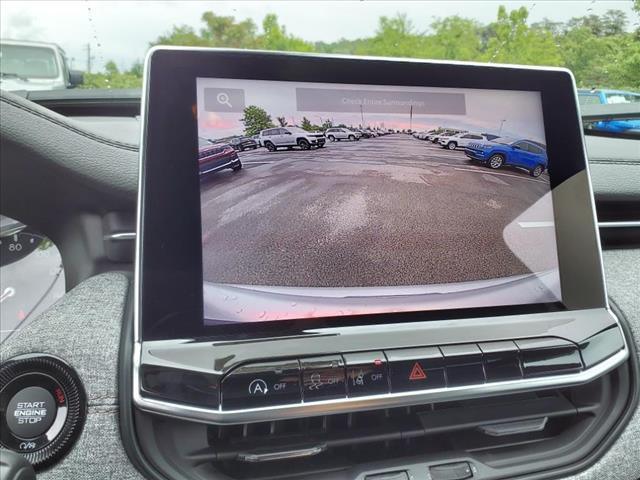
[[169, 251]]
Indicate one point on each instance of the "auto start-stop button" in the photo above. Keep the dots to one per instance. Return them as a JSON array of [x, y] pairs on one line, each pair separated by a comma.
[[30, 412]]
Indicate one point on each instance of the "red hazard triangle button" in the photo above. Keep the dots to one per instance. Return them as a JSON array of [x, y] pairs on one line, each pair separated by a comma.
[[417, 373]]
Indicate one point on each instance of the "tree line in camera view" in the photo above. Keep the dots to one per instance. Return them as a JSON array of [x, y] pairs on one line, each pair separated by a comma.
[[599, 50]]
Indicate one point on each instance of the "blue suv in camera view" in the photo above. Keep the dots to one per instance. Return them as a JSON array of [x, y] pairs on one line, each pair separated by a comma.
[[527, 154], [610, 97]]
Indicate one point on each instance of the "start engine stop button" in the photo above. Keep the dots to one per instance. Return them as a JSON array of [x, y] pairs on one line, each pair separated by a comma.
[[30, 412]]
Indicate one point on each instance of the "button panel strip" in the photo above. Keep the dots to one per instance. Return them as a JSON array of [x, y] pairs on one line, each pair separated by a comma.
[[344, 382], [352, 375]]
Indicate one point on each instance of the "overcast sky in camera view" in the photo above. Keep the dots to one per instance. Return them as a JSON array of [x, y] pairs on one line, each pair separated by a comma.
[[121, 31], [518, 113]]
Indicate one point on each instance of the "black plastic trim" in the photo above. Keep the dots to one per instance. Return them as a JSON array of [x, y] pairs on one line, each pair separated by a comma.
[[125, 394], [622, 422]]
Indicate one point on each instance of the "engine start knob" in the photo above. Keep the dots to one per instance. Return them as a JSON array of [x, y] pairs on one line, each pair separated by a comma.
[[30, 412], [42, 407]]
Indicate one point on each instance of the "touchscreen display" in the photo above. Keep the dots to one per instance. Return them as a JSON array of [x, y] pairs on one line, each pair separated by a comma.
[[327, 200]]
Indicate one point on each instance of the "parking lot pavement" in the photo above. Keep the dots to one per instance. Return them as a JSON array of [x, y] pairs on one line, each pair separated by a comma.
[[391, 210]]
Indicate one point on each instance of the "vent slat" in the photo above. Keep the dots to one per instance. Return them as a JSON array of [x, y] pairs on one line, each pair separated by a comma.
[[402, 429]]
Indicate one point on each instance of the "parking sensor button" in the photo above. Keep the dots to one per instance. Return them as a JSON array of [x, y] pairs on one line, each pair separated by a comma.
[[366, 373]]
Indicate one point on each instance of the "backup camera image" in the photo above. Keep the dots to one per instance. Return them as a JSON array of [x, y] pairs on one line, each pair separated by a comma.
[[324, 200]]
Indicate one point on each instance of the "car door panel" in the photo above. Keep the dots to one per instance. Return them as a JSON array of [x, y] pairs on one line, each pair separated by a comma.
[[518, 156]]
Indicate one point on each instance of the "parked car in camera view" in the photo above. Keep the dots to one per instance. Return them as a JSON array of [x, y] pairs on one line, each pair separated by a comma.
[[461, 139], [430, 137], [336, 134], [610, 97], [289, 137], [435, 137], [422, 135], [216, 156], [243, 143], [522, 153]]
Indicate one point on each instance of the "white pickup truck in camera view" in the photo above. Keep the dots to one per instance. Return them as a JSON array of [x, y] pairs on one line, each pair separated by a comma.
[[32, 66]]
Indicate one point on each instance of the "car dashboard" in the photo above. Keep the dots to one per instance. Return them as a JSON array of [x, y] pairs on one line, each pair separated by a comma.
[[77, 162]]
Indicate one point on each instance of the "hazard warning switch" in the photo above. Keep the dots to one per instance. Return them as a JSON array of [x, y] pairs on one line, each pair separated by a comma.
[[417, 373], [416, 369]]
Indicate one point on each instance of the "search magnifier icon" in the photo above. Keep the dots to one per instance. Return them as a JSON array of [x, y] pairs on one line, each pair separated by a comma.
[[223, 99]]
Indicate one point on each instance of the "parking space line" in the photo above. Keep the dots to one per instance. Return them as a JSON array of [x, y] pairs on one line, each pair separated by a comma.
[[498, 173], [494, 179]]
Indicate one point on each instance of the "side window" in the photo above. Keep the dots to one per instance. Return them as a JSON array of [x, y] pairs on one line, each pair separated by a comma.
[[468, 136], [476, 137], [535, 149], [521, 146]]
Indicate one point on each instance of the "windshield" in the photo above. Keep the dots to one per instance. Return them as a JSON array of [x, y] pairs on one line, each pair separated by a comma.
[[503, 140], [27, 62], [597, 40]]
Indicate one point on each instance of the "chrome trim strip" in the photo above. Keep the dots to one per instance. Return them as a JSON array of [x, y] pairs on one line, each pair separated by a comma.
[[281, 455], [628, 224], [58, 423], [352, 57], [137, 287], [511, 428], [325, 407], [121, 236]]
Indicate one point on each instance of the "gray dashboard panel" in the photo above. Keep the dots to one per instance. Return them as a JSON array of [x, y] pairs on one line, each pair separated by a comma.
[[84, 329], [622, 269]]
